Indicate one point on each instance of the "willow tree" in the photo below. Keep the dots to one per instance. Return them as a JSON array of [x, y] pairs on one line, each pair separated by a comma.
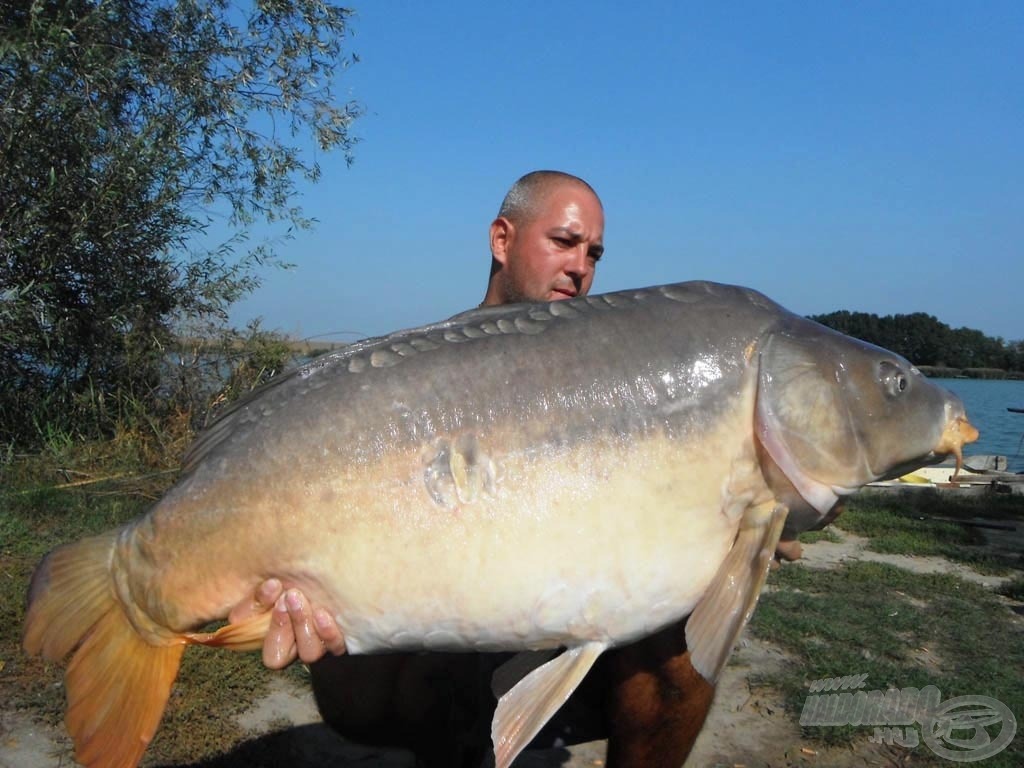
[[124, 124]]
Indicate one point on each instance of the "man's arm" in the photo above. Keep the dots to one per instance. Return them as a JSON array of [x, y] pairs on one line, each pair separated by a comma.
[[296, 629]]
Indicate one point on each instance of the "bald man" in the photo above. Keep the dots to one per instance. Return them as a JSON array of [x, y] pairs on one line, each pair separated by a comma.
[[645, 698], [545, 244], [546, 240]]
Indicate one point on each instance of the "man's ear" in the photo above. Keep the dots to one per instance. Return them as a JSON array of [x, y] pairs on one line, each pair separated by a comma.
[[503, 232]]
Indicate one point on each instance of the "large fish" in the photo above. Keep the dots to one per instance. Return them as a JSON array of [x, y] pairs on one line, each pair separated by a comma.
[[575, 474]]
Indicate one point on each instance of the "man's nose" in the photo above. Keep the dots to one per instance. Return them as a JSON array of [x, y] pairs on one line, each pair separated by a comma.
[[579, 264]]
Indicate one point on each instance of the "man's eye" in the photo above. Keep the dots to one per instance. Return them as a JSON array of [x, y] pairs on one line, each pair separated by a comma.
[[563, 241], [595, 256]]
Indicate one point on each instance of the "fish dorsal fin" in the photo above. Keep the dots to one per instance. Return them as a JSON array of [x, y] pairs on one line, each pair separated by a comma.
[[524, 710], [723, 610]]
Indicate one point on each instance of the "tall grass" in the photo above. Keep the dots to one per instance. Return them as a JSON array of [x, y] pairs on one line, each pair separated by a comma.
[[89, 428]]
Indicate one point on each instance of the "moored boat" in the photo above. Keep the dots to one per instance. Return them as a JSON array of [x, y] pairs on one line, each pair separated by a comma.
[[978, 474]]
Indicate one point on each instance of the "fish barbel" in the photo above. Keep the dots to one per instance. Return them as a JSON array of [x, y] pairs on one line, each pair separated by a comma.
[[571, 474]]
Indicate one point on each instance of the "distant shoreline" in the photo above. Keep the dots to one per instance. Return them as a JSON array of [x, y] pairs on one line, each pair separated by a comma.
[[302, 347], [941, 372], [312, 347]]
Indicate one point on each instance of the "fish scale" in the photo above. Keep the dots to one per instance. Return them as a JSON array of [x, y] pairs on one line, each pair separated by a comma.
[[574, 474]]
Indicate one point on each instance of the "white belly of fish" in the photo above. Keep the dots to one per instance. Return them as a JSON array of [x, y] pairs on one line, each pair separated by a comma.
[[593, 543]]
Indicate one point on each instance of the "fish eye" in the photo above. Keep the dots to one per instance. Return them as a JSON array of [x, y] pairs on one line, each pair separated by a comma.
[[894, 379]]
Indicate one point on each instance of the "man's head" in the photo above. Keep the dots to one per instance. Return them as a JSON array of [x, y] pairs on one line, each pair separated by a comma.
[[546, 240]]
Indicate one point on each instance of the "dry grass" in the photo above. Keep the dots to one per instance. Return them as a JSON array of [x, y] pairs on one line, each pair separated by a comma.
[[74, 491]]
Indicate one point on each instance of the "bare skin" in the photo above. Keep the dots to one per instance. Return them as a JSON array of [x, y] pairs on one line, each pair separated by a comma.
[[550, 256], [656, 702]]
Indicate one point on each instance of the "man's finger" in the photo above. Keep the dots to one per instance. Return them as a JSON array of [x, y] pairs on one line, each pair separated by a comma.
[[279, 649], [788, 549], [307, 641], [266, 596], [330, 633]]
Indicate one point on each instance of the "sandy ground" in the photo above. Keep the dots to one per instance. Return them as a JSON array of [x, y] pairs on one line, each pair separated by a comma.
[[747, 727]]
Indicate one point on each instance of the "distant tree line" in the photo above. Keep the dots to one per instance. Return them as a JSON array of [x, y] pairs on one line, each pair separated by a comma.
[[925, 341]]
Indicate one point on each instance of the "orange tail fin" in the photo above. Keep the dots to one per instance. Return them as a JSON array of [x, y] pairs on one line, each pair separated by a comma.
[[117, 682]]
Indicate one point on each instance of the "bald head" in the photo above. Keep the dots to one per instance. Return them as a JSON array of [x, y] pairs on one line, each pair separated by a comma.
[[546, 240], [526, 198]]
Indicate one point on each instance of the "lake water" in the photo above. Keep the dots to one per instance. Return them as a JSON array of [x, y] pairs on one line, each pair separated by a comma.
[[986, 403]]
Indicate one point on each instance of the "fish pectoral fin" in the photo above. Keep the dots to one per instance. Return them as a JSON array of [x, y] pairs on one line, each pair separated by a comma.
[[246, 635], [524, 710], [515, 669], [716, 623]]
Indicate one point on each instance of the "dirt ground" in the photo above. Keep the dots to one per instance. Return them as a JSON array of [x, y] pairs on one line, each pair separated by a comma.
[[747, 728]]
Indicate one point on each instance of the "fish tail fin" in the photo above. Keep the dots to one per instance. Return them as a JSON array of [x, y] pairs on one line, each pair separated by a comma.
[[117, 683]]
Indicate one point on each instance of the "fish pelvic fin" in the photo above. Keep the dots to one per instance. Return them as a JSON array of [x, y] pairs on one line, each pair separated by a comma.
[[246, 635], [117, 683], [524, 710], [725, 607]]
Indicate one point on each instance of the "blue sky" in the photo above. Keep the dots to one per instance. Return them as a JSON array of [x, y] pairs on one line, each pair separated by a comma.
[[865, 156]]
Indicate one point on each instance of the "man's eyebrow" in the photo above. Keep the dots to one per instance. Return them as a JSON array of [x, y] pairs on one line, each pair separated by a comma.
[[566, 231], [596, 250]]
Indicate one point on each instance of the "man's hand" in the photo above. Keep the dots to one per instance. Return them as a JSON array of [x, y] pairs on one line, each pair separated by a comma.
[[788, 549], [296, 631], [791, 549]]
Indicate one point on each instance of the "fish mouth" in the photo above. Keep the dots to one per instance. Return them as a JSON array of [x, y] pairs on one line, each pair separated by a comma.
[[957, 433]]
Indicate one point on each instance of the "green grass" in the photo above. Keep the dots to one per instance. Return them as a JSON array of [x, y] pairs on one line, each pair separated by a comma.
[[904, 629], [825, 534], [1014, 588], [899, 628], [926, 523]]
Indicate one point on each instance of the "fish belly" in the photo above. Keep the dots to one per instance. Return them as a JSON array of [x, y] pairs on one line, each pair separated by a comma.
[[593, 543]]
